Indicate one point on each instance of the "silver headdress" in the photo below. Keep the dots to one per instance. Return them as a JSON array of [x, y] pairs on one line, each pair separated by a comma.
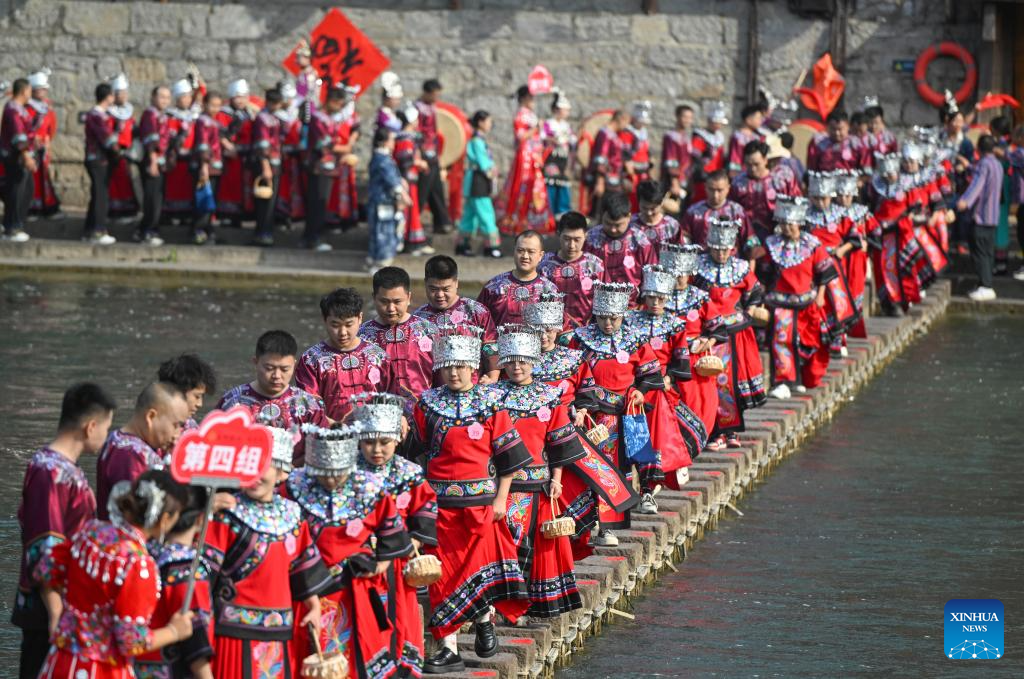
[[680, 259], [330, 452], [911, 151], [658, 280], [457, 345], [847, 183], [238, 88], [549, 312], [561, 101], [869, 101], [718, 113], [790, 210], [391, 85], [722, 233], [517, 342], [377, 415], [284, 448], [821, 184], [642, 111], [119, 82], [951, 106], [887, 163], [612, 299]]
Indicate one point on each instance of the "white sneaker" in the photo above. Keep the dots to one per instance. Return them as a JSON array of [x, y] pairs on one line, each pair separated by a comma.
[[152, 241], [982, 294], [1018, 275], [100, 239], [423, 250], [844, 352], [647, 505], [605, 539], [924, 294], [682, 476], [323, 247], [781, 391], [801, 389], [18, 236]]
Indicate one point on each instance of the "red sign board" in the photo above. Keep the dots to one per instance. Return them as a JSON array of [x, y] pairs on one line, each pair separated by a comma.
[[540, 80], [227, 449], [342, 54]]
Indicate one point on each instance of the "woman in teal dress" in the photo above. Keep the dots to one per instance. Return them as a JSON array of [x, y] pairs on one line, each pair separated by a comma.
[[478, 215]]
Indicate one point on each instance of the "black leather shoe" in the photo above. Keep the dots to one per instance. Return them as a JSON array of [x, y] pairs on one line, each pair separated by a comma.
[[486, 643], [444, 661]]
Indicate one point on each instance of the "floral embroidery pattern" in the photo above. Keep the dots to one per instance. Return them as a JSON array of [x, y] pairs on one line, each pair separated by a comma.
[[352, 501]]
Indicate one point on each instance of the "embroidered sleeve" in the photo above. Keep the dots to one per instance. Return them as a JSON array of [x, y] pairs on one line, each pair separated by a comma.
[[679, 363], [307, 574], [392, 538], [507, 448], [134, 606], [562, 440], [754, 293], [586, 388], [51, 568], [647, 375], [422, 521], [824, 268], [305, 378]]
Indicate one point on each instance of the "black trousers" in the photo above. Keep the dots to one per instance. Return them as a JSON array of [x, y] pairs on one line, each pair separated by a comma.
[[318, 192], [35, 644], [265, 208], [17, 195], [152, 201], [99, 196], [983, 252], [432, 193]]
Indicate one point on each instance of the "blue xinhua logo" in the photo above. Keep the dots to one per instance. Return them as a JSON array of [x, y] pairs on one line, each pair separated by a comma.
[[974, 629]]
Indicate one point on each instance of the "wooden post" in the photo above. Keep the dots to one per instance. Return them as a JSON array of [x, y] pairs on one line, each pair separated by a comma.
[[649, 6], [753, 52]]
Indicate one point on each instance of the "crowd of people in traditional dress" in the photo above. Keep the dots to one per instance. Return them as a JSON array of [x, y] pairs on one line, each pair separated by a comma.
[[458, 429], [210, 159]]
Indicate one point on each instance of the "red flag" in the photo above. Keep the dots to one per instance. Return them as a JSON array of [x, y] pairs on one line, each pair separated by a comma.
[[994, 100], [342, 54], [828, 88]]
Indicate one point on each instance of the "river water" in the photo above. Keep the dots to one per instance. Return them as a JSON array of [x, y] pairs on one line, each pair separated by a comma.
[[841, 566], [846, 556]]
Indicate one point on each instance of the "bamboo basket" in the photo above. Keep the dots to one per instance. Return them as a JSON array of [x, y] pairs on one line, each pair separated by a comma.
[[759, 315], [709, 365], [557, 526], [422, 570], [598, 433], [320, 666]]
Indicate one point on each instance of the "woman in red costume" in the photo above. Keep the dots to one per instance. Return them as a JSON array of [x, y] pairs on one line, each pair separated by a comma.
[[624, 368], [524, 200], [553, 442], [698, 392], [733, 289], [100, 588], [471, 450], [800, 270], [590, 479], [263, 560]]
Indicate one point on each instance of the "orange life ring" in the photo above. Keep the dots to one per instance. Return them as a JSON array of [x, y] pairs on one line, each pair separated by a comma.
[[944, 49]]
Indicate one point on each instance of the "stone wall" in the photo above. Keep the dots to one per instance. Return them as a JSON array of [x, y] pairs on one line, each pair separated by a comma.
[[602, 52]]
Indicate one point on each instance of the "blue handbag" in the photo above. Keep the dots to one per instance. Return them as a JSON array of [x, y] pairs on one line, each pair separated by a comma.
[[637, 437], [205, 203]]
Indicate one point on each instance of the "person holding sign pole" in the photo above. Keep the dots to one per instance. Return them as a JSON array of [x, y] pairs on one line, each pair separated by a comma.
[[189, 657], [100, 589], [263, 560]]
